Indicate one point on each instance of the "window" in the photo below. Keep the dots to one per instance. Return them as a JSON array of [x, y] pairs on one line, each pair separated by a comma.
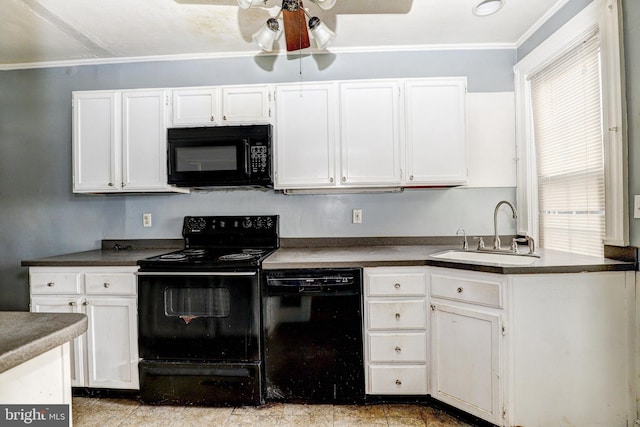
[[567, 133], [571, 136]]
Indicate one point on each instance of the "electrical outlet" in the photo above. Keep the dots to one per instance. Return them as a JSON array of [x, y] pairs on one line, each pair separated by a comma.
[[146, 220], [357, 216]]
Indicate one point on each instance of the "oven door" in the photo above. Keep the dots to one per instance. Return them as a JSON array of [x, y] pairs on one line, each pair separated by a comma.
[[206, 316]]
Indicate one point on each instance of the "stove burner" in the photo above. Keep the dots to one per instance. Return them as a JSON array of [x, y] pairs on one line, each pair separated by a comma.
[[253, 251], [194, 251], [173, 257], [236, 257]]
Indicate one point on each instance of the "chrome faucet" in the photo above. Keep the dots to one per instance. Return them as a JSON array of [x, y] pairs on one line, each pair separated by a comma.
[[496, 238]]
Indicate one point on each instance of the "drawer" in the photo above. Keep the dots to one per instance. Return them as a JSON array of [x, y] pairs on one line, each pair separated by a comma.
[[55, 283], [110, 283], [397, 314], [476, 291], [397, 284], [387, 379], [401, 347]]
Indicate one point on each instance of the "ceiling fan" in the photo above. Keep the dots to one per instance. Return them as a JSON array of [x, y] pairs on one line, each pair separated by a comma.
[[295, 17]]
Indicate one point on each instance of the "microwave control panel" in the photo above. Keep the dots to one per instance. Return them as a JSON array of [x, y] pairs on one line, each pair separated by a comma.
[[259, 158]]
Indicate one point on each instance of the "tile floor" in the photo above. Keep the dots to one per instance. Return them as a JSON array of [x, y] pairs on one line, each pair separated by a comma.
[[109, 412]]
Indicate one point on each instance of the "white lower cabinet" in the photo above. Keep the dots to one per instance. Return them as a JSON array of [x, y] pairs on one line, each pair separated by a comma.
[[395, 331], [106, 356], [466, 341]]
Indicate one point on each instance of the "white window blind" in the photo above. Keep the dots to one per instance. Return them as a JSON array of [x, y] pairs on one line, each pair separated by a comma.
[[567, 122]]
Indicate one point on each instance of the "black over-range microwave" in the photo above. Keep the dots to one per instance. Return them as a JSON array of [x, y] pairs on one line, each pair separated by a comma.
[[220, 156]]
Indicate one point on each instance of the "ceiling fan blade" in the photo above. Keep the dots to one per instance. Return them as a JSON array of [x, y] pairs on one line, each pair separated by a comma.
[[295, 29]]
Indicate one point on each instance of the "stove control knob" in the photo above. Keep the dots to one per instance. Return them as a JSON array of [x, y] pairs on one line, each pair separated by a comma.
[[247, 223]]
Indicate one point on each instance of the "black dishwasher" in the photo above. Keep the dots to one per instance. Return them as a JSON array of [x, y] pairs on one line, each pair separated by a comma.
[[312, 322]]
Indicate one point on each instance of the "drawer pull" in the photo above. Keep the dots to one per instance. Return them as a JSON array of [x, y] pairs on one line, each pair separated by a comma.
[[51, 284], [398, 349], [72, 303], [397, 316], [398, 382], [85, 303], [459, 290], [106, 284], [397, 286]]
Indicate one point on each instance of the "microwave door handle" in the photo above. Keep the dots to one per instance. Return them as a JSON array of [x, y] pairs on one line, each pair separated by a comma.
[[247, 160]]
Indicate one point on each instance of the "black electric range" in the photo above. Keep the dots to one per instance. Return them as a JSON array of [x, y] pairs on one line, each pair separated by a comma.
[[199, 314]]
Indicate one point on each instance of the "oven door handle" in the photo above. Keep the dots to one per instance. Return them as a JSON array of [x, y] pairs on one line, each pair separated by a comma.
[[198, 273]]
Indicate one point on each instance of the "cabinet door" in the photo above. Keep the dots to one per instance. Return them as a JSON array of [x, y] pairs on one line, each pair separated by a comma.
[[246, 104], [435, 132], [370, 134], [466, 360], [96, 142], [112, 341], [196, 107], [62, 304], [305, 144], [144, 140]]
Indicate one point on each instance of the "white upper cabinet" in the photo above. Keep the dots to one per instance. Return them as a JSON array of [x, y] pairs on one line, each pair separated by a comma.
[[306, 135], [370, 133], [435, 123], [97, 141], [119, 141], [196, 107], [220, 105], [390, 134], [144, 135]]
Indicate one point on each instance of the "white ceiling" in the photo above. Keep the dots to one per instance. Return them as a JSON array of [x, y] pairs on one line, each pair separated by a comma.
[[50, 32]]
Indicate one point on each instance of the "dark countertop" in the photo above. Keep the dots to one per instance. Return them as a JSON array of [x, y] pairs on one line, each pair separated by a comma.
[[25, 335], [96, 258], [128, 256], [366, 252], [420, 255]]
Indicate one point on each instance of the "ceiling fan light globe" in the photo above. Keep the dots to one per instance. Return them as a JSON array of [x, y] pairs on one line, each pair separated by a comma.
[[324, 4], [267, 35], [321, 33]]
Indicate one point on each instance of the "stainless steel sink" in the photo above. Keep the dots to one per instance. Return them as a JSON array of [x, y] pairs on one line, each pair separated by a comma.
[[487, 257]]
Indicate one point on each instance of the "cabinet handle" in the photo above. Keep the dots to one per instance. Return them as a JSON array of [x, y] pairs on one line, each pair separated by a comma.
[[224, 117], [51, 284], [331, 180], [397, 286], [85, 303], [398, 349], [433, 307], [212, 118], [411, 178], [106, 284], [459, 290], [398, 382], [397, 316], [111, 184], [344, 179], [72, 303]]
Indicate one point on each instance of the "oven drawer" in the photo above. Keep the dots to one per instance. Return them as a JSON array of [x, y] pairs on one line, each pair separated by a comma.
[[110, 283], [56, 283], [194, 383]]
